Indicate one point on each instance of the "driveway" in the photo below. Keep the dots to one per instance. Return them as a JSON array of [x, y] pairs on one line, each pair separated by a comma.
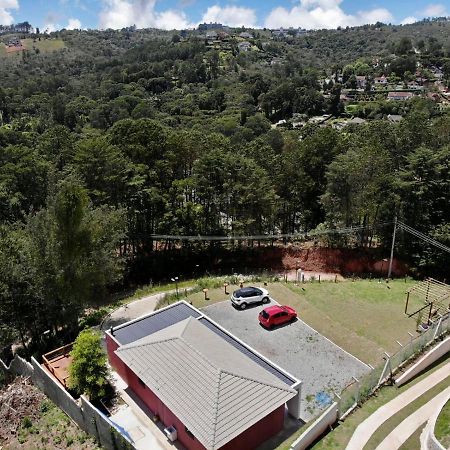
[[297, 348]]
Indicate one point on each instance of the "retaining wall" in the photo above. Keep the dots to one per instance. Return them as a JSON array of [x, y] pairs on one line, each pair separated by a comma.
[[423, 362], [428, 440], [320, 425]]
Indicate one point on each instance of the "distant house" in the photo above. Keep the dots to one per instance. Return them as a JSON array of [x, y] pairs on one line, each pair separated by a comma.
[[211, 35], [398, 96], [246, 35], [244, 46], [361, 81], [380, 80], [279, 34], [414, 85], [394, 118], [208, 388], [210, 26]]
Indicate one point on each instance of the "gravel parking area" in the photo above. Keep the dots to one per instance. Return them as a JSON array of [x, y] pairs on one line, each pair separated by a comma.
[[297, 348]]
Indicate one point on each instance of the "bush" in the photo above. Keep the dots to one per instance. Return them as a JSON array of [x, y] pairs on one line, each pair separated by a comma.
[[88, 371]]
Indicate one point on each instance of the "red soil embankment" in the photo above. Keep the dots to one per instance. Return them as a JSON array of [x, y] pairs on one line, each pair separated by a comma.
[[329, 260]]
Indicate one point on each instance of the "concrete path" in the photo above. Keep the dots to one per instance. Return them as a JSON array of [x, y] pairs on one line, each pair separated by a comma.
[[405, 429], [133, 310], [365, 429]]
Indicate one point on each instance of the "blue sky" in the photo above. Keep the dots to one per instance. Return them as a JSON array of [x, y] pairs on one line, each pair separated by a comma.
[[169, 14]]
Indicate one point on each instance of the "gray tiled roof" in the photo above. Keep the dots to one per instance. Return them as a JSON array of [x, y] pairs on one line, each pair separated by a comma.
[[214, 389]]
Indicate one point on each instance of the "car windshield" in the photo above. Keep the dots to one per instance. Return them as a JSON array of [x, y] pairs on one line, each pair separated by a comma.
[[265, 314]]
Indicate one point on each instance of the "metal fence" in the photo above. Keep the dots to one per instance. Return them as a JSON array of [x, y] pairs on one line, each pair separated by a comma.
[[360, 389]]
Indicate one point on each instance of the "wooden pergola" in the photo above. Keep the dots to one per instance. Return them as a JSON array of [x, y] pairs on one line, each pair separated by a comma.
[[435, 295]]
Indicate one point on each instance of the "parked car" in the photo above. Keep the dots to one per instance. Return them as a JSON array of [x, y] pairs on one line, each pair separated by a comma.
[[276, 315], [248, 295]]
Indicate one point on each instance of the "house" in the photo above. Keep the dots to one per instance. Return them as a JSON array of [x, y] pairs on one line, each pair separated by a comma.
[[380, 81], [398, 96], [246, 35], [211, 35], [361, 81], [244, 46], [279, 34], [394, 118], [197, 378]]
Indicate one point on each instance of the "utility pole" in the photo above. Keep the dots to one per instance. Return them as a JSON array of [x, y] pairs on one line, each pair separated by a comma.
[[392, 247]]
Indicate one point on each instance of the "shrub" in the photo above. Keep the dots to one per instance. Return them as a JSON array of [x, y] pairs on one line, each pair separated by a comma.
[[88, 371]]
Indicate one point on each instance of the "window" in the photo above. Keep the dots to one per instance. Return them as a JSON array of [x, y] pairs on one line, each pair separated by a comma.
[[189, 433]]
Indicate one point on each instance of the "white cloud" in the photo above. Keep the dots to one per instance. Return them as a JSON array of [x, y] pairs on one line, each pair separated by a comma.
[[408, 20], [234, 16], [436, 10], [6, 17], [323, 14], [123, 13], [73, 24]]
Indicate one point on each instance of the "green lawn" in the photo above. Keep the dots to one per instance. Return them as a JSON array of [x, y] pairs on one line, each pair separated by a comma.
[[44, 45], [365, 318], [442, 429]]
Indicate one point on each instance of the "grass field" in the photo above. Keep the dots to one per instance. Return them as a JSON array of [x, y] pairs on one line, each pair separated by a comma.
[[44, 46], [442, 429], [364, 317]]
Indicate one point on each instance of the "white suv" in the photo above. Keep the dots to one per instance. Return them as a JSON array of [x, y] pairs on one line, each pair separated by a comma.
[[245, 296]]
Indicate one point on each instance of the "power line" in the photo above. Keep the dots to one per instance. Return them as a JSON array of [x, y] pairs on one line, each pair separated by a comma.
[[262, 237], [424, 237]]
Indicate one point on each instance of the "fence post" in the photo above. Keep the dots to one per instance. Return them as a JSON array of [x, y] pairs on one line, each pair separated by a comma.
[[357, 390], [436, 332], [388, 364]]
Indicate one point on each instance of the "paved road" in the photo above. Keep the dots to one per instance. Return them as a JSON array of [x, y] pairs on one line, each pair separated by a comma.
[[365, 429], [405, 429], [132, 310]]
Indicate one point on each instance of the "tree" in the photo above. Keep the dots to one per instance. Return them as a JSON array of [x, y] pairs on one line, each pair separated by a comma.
[[88, 370], [404, 46], [73, 253]]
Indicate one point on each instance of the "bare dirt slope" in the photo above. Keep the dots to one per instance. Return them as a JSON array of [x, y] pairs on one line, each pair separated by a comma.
[[29, 420]]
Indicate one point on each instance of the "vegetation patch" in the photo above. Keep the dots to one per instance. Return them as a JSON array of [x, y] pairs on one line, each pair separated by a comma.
[[29, 420], [442, 428]]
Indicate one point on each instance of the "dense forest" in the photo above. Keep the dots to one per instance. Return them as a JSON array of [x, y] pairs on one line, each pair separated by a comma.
[[121, 135]]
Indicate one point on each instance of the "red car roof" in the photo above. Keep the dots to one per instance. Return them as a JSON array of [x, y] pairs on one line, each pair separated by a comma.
[[271, 310]]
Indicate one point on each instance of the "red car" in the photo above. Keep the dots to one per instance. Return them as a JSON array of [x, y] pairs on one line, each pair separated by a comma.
[[276, 315]]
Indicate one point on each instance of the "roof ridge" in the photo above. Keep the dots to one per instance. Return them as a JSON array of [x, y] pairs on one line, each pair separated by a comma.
[[143, 344], [216, 409], [265, 383]]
